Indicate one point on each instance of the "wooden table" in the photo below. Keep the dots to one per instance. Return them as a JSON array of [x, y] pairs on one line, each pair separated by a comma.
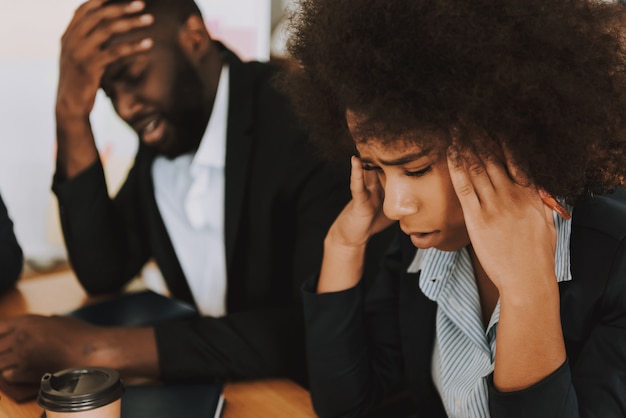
[[60, 292]]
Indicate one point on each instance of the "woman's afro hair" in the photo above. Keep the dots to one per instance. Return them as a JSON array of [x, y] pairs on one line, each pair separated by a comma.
[[543, 78]]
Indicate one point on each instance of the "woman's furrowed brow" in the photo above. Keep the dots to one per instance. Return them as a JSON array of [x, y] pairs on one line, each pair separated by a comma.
[[407, 158]]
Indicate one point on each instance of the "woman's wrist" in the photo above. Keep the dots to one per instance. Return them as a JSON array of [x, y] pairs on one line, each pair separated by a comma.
[[342, 266]]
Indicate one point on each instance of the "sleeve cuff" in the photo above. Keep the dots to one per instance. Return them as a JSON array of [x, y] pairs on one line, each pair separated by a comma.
[[553, 396], [341, 302]]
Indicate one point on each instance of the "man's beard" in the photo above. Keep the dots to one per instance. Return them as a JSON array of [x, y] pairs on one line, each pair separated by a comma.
[[189, 113]]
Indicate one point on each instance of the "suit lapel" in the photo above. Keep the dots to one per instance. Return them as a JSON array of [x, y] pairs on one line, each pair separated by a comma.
[[239, 143], [417, 326]]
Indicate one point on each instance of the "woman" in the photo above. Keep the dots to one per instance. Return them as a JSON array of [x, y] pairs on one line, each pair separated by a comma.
[[464, 119]]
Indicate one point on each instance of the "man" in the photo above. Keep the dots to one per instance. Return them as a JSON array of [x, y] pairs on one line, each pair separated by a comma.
[[225, 194], [11, 257]]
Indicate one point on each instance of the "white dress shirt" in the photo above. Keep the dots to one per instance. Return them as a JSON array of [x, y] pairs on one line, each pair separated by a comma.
[[189, 192]]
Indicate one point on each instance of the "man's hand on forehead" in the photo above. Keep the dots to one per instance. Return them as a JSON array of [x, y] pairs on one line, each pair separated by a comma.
[[87, 49], [123, 30]]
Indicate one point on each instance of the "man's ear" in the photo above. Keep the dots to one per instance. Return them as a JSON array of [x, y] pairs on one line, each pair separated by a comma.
[[194, 38]]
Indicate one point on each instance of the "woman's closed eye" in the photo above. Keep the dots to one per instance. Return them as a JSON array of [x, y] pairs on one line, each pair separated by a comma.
[[419, 173], [408, 173]]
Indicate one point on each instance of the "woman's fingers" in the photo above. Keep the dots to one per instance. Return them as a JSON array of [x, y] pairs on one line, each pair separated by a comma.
[[462, 181], [362, 182], [504, 170], [357, 179], [485, 170]]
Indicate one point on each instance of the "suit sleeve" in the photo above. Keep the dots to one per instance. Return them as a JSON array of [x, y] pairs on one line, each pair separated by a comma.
[[11, 257], [353, 343], [599, 372], [592, 384], [102, 235]]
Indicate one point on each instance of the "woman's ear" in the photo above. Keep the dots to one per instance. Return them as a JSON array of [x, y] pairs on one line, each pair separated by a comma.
[[194, 38]]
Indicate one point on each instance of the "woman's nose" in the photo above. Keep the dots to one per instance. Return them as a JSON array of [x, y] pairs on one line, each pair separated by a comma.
[[399, 201]]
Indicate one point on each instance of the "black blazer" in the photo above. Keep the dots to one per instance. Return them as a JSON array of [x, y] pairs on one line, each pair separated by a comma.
[[11, 257], [280, 199], [363, 347]]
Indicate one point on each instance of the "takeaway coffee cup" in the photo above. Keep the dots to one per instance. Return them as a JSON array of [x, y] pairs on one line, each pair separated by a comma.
[[90, 392]]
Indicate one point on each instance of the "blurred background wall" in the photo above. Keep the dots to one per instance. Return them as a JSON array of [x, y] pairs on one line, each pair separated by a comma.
[[30, 32]]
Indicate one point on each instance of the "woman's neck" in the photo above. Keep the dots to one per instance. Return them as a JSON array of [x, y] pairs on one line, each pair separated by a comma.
[[487, 291]]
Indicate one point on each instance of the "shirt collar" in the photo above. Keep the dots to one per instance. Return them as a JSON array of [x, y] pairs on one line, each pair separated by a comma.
[[562, 254], [212, 149]]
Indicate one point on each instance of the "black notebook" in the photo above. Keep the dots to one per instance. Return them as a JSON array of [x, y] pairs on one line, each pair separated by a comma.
[[134, 309], [173, 401]]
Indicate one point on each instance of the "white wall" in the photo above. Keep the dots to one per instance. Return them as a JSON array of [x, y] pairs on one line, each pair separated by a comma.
[[30, 32]]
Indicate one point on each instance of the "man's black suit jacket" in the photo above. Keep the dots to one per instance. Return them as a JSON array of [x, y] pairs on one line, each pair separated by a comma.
[[280, 199], [362, 347], [11, 257]]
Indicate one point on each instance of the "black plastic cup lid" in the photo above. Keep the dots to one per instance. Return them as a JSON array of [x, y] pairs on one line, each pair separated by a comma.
[[81, 389]]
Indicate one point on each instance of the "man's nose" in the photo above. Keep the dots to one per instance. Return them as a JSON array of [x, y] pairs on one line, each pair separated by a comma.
[[126, 104], [399, 201]]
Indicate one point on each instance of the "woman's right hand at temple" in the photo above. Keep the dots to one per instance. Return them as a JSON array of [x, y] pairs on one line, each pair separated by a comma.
[[346, 241]]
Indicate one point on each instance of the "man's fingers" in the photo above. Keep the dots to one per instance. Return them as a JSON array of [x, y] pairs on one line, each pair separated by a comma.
[[19, 375], [106, 21], [8, 356], [94, 43], [107, 31], [122, 25], [8, 361], [82, 11], [5, 329], [123, 50], [117, 52]]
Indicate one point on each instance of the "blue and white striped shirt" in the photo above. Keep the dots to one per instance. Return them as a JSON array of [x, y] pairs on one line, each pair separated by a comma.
[[464, 352]]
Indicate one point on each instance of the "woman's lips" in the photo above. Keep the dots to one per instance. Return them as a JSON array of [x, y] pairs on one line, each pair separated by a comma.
[[424, 239]]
